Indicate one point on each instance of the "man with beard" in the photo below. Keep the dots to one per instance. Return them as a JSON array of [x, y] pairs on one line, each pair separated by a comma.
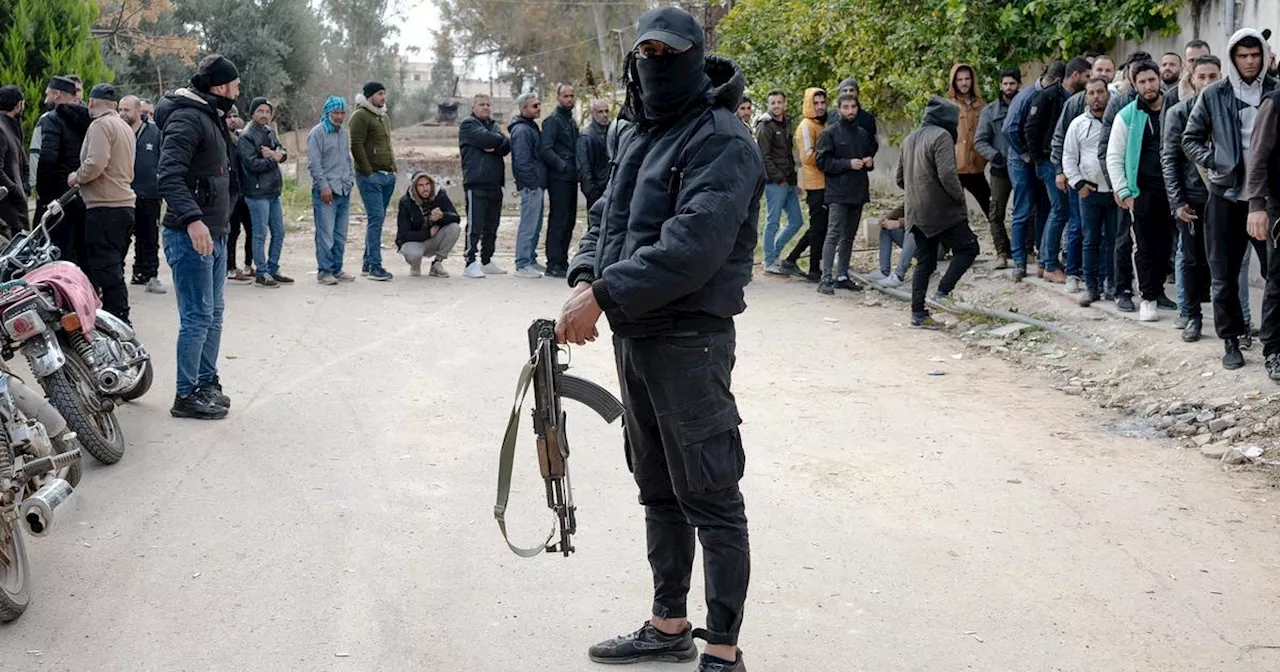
[[559, 152], [1042, 119], [593, 154], [146, 229], [666, 256], [375, 161], [991, 144], [1183, 90], [482, 146], [963, 91], [746, 111], [781, 193], [61, 136], [1170, 72], [13, 161], [1133, 159], [845, 154], [814, 183], [199, 177], [1097, 207], [1217, 138]]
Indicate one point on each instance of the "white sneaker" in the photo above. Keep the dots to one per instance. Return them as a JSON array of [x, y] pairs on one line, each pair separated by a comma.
[[528, 272], [892, 281], [775, 269], [474, 270], [154, 287], [1074, 285], [493, 269], [1147, 312], [877, 276]]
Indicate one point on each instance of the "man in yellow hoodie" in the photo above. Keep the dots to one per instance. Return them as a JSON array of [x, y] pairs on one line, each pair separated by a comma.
[[963, 91], [813, 181]]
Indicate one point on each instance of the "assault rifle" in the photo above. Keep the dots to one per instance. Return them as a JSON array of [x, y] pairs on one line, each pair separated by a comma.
[[546, 374]]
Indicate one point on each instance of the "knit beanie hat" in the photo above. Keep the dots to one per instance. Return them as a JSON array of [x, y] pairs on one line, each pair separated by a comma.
[[372, 88], [220, 71], [259, 102]]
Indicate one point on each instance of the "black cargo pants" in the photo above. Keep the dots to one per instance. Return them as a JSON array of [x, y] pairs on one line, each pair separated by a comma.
[[685, 451]]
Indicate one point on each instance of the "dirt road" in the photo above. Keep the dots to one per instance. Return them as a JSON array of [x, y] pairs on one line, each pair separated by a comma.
[[341, 519]]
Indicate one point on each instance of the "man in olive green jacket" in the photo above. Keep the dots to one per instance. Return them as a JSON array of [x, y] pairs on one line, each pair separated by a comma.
[[375, 171]]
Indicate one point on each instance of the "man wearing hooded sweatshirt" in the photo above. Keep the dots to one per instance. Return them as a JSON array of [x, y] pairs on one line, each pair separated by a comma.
[[813, 182], [199, 178], [1217, 138], [260, 157], [991, 144], [845, 156], [666, 256], [935, 211], [482, 146], [427, 226], [530, 174], [773, 133], [963, 91], [62, 133], [1262, 189], [332, 178], [865, 119], [559, 152], [375, 171]]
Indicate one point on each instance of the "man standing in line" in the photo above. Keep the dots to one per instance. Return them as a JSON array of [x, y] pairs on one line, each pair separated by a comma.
[[105, 178], [845, 154], [61, 136], [1170, 72], [593, 154], [1030, 200], [332, 178], [745, 111], [1217, 138], [482, 146], [671, 307], [559, 151], [936, 213], [146, 187], [1097, 205], [197, 150], [992, 145], [530, 174], [1187, 198], [375, 171], [1262, 187], [1042, 119], [813, 183], [1133, 157], [1183, 90], [963, 91], [260, 157], [13, 161], [781, 192], [241, 220]]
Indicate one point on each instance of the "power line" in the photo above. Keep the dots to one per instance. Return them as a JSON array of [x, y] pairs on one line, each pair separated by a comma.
[[593, 38]]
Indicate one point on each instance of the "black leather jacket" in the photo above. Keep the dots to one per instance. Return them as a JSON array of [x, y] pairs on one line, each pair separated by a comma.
[[1212, 136], [1182, 180]]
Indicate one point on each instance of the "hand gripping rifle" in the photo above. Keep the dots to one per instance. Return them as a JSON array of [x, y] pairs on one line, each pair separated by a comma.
[[550, 383]]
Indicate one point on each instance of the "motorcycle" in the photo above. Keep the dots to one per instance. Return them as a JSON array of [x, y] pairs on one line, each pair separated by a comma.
[[87, 360], [39, 469]]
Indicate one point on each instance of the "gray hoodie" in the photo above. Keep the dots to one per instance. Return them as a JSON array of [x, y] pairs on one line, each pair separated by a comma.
[[927, 172]]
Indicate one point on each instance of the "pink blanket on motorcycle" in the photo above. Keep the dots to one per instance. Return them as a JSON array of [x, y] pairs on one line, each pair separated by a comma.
[[71, 289]]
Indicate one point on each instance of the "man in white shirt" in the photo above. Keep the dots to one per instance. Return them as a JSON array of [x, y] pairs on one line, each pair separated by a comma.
[[1083, 169]]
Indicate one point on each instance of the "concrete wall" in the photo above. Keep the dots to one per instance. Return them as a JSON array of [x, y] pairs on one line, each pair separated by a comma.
[[1207, 21]]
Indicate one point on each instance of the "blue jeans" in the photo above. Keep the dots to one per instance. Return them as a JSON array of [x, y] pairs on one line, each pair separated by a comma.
[[779, 197], [376, 191], [332, 220], [530, 227], [267, 215], [890, 237], [1051, 244], [1075, 235], [198, 282], [1098, 219], [1024, 208]]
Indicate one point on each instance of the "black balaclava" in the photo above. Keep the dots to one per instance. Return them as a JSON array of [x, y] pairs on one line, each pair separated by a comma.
[[670, 84]]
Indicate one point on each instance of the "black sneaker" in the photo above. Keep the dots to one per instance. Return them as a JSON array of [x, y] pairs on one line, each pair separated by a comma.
[[648, 644], [1246, 342], [196, 406], [1088, 298], [826, 287], [265, 280], [813, 277], [846, 283], [1124, 303], [1165, 303], [925, 321], [1232, 358], [712, 664], [1191, 333], [138, 280], [1019, 274], [212, 391], [791, 268], [1273, 366], [282, 279]]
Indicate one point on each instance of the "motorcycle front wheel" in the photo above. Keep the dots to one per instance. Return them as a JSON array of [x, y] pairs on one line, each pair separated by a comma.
[[72, 391]]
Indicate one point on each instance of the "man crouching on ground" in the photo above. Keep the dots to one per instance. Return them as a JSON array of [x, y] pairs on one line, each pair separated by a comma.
[[427, 226], [666, 256]]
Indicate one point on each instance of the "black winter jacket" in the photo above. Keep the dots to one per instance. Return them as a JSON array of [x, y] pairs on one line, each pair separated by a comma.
[[560, 145], [776, 142], [670, 245], [1182, 182], [840, 142], [1118, 102], [1212, 136], [261, 175], [593, 160], [61, 135], [1042, 120], [199, 167], [481, 169], [526, 154], [145, 183], [413, 224]]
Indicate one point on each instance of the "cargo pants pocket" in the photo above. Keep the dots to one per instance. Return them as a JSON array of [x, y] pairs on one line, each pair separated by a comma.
[[711, 451]]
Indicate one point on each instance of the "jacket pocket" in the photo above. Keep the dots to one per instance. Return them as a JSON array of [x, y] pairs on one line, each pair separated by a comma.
[[711, 450]]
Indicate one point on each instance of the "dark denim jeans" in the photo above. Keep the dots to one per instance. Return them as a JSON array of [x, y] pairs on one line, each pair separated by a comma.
[[198, 282], [1072, 253], [1022, 230], [1098, 218], [1051, 244], [376, 191], [686, 454]]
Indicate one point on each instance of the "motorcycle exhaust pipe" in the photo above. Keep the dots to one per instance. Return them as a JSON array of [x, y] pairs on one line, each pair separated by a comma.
[[109, 381], [37, 510]]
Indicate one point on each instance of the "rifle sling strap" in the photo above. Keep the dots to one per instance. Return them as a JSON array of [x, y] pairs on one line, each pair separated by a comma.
[[507, 458]]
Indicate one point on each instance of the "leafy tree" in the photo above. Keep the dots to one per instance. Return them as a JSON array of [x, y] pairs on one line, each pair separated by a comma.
[[42, 38], [900, 51], [145, 44], [443, 75]]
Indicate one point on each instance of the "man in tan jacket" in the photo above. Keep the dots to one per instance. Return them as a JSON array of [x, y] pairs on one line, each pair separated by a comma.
[[969, 163], [105, 178]]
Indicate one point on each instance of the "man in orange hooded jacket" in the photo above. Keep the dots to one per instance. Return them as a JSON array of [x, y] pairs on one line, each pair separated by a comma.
[[814, 183], [963, 91]]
